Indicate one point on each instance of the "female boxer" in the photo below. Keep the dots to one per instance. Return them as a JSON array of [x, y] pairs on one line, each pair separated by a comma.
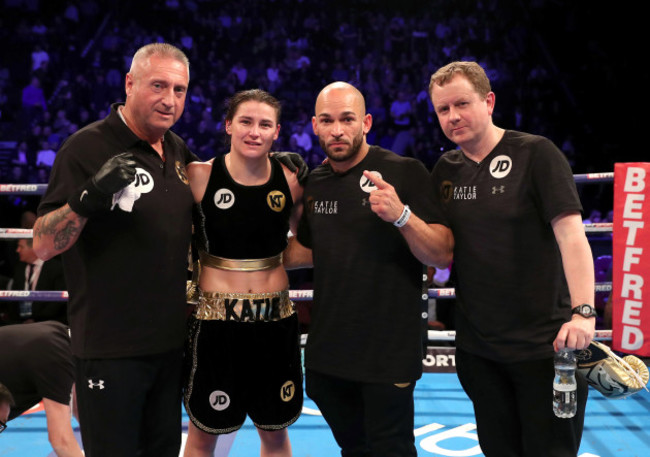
[[244, 341]]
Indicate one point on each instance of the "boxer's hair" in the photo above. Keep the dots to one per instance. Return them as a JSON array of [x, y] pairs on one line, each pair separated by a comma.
[[160, 50], [257, 95], [471, 70]]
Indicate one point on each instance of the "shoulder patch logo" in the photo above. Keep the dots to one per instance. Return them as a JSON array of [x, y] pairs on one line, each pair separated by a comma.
[[181, 172], [500, 166], [276, 200], [446, 191], [224, 198], [366, 185]]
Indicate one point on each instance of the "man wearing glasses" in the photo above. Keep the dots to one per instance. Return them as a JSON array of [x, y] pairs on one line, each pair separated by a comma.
[[39, 368]]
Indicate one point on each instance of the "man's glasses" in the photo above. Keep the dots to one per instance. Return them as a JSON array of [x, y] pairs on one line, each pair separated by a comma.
[[3, 426]]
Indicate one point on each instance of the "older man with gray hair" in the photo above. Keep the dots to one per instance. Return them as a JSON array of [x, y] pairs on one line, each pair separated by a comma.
[[118, 207]]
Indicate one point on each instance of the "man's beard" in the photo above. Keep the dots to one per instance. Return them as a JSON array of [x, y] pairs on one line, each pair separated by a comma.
[[342, 156]]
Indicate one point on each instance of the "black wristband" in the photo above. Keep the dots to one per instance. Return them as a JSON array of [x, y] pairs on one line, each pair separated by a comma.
[[89, 200]]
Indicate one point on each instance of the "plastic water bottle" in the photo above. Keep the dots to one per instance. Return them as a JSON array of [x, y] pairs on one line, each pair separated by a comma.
[[564, 384]]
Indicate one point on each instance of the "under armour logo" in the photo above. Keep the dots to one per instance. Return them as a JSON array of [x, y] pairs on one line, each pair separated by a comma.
[[92, 385], [496, 189], [83, 194]]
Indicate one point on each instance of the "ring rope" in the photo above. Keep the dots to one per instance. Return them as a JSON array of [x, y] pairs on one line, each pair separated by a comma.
[[16, 233], [450, 335], [601, 227], [39, 189], [295, 295], [23, 189], [594, 177]]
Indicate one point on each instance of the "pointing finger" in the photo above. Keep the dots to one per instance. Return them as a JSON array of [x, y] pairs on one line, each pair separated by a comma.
[[376, 180]]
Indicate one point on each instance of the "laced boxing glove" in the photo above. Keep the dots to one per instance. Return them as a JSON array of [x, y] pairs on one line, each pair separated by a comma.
[[609, 374], [95, 195]]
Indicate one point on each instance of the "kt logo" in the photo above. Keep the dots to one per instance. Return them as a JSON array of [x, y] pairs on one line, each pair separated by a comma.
[[446, 191], [276, 200], [287, 391], [500, 166]]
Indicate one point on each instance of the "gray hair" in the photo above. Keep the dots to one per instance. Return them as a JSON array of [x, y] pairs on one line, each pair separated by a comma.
[[161, 50]]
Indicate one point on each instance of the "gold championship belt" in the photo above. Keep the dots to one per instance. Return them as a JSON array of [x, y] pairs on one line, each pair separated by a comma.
[[609, 374]]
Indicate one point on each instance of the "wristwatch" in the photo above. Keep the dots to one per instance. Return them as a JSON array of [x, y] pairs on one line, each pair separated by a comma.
[[585, 310]]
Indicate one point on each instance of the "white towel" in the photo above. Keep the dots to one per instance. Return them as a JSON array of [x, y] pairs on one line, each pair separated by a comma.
[[125, 198]]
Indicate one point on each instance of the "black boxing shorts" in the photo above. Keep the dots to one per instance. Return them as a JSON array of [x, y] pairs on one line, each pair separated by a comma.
[[244, 358]]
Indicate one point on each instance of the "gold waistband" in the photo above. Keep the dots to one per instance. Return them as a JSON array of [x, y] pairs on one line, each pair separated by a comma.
[[271, 306], [222, 263]]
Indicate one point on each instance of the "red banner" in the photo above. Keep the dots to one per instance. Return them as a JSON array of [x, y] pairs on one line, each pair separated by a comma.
[[631, 259]]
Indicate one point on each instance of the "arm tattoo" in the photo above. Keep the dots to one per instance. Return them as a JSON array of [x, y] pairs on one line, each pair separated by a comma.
[[58, 225], [50, 221], [64, 236]]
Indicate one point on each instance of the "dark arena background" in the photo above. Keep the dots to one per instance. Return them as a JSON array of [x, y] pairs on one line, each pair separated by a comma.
[[572, 71]]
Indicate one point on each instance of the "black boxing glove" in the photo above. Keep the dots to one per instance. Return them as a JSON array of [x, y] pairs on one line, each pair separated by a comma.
[[96, 194], [294, 162]]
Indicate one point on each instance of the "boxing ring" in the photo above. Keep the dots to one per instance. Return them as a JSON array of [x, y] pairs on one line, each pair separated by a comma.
[[444, 420]]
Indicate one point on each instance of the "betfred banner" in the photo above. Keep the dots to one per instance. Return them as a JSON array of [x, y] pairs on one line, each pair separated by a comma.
[[631, 259]]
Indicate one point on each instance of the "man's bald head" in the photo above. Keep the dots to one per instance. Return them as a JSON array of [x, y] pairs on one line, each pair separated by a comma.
[[339, 89]]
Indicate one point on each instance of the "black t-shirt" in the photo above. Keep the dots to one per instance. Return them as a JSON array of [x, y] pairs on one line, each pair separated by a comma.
[[126, 273], [366, 318], [512, 296], [36, 363]]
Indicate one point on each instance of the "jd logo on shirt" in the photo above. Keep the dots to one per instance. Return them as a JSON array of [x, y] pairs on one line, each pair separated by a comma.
[[367, 185], [224, 198], [143, 181], [500, 166]]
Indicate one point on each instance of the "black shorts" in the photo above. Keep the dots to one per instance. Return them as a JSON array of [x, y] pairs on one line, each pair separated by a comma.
[[239, 368]]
